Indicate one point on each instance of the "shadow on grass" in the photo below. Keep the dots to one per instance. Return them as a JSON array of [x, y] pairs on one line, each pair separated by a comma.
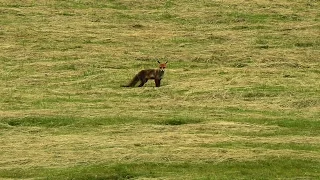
[[179, 121], [57, 121], [65, 121]]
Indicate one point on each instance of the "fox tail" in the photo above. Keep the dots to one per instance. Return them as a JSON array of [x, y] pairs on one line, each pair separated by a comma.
[[133, 82]]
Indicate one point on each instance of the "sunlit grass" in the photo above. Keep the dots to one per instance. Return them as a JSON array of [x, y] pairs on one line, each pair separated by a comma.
[[240, 97]]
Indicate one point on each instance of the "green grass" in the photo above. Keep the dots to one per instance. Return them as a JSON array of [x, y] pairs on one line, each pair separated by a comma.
[[239, 100], [274, 167]]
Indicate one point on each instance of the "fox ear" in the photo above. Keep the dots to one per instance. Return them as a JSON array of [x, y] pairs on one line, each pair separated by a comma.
[[166, 62], [159, 62]]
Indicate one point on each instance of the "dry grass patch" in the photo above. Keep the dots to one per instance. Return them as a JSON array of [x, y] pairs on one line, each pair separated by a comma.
[[239, 98], [30, 147]]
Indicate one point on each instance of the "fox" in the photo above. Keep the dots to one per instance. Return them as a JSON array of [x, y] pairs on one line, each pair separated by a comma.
[[144, 75]]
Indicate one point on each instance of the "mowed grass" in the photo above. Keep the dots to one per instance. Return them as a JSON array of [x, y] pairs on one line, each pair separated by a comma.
[[240, 98]]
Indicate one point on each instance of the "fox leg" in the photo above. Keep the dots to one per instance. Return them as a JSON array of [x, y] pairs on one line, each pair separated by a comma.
[[157, 81]]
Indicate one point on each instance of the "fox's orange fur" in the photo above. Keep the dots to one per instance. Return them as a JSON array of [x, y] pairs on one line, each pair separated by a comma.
[[144, 75]]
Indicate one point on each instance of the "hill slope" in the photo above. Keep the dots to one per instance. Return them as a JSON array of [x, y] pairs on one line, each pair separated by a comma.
[[240, 97]]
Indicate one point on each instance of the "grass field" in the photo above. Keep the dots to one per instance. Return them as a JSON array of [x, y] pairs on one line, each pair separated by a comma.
[[240, 98]]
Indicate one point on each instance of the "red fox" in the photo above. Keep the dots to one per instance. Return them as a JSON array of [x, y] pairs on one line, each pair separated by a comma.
[[144, 75]]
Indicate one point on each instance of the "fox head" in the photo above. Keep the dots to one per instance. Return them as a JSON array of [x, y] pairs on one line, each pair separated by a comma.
[[162, 66]]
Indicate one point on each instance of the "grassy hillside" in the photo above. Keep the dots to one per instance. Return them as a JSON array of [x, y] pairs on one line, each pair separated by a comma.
[[240, 98]]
